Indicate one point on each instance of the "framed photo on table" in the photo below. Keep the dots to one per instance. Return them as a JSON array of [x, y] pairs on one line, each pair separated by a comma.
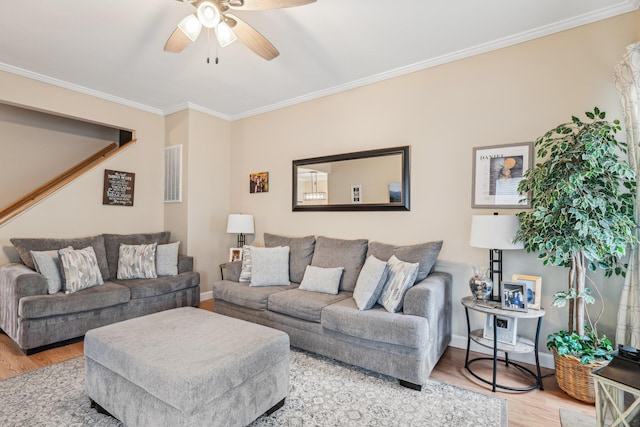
[[533, 289], [497, 172], [235, 254], [506, 329], [514, 296]]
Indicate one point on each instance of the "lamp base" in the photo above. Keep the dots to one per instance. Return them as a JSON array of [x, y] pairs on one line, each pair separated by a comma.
[[495, 268], [240, 240]]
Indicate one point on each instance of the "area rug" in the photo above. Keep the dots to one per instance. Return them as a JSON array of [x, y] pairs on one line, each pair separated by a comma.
[[323, 392]]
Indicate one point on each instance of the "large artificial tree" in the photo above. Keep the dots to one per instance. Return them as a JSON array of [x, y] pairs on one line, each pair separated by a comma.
[[582, 196]]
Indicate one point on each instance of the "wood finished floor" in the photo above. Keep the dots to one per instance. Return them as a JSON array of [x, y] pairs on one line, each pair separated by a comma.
[[534, 408]]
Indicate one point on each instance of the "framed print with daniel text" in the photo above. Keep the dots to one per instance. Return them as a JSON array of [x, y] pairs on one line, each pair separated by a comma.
[[497, 171]]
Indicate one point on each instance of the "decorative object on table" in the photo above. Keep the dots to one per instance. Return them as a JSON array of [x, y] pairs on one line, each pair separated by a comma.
[[118, 188], [506, 329], [533, 289], [241, 224], [514, 296], [496, 233], [259, 182], [579, 158], [480, 284], [497, 172], [235, 254]]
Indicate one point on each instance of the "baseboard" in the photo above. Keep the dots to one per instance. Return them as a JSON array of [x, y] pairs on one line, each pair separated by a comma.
[[546, 359], [206, 295]]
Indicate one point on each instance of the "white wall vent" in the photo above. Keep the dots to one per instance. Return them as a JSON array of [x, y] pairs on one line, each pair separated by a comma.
[[173, 174]]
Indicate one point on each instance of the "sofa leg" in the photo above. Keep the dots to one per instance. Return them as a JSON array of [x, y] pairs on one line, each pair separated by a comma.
[[275, 407], [412, 386], [99, 409]]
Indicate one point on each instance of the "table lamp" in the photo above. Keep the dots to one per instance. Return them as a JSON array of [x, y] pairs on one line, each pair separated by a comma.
[[496, 233], [241, 224]]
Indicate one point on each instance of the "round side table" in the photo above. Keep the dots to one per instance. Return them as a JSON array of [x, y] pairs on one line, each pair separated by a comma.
[[521, 345]]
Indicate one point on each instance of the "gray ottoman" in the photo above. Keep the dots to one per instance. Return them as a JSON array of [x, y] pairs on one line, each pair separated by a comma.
[[186, 367]]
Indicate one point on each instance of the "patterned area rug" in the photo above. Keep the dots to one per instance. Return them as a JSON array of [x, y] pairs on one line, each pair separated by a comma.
[[323, 392]]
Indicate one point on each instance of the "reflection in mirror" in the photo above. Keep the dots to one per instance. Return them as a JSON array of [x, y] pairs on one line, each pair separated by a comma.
[[366, 180]]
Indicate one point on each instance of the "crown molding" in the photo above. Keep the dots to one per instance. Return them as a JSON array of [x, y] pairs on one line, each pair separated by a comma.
[[195, 107]]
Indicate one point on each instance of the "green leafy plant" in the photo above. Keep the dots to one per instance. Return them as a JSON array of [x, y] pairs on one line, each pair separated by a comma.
[[587, 348], [582, 198]]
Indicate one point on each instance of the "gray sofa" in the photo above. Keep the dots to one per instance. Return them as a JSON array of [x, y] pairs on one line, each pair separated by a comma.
[[405, 344], [36, 319]]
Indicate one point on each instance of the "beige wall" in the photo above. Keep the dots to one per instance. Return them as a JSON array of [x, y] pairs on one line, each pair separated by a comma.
[[510, 95], [77, 210]]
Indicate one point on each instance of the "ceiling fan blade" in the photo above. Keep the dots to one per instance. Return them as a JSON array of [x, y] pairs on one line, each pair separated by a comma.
[[266, 4], [177, 41], [251, 38]]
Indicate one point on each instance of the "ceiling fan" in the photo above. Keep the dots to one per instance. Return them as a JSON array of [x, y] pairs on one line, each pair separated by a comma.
[[228, 27]]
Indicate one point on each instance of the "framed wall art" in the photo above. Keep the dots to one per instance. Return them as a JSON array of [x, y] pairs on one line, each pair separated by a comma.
[[259, 182], [497, 171], [533, 289]]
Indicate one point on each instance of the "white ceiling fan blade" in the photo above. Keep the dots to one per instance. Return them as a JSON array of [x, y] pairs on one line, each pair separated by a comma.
[[266, 4], [251, 38]]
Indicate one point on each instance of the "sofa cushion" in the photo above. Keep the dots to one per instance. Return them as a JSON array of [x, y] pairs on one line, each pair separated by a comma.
[[26, 245], [324, 280], [143, 288], [376, 324], [112, 245], [270, 266], [167, 259], [402, 276], [300, 252], [370, 284], [97, 297], [425, 254], [79, 268], [137, 261], [349, 254], [48, 264], [244, 295], [303, 304]]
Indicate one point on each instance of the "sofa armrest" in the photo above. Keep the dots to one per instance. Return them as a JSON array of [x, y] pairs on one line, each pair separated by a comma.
[[233, 270], [185, 263], [17, 281], [430, 298]]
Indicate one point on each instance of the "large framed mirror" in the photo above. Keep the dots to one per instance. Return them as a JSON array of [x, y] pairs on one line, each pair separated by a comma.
[[373, 180]]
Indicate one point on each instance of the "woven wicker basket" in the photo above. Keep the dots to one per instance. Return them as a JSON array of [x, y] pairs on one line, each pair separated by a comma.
[[574, 378]]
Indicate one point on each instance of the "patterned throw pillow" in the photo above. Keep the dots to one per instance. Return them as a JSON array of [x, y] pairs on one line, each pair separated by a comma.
[[245, 274], [371, 281], [80, 268], [167, 259], [402, 275], [47, 263], [137, 261]]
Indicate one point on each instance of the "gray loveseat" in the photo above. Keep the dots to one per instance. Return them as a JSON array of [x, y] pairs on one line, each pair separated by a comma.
[[36, 319], [406, 344]]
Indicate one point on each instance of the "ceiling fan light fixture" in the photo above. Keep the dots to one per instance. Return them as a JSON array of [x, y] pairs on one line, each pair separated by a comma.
[[191, 27], [208, 14], [225, 34]]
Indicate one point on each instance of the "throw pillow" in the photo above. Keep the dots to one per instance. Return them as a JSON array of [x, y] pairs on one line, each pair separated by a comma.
[[371, 281], [402, 275], [167, 259], [270, 266], [349, 254], [80, 269], [47, 263], [324, 280], [137, 261], [300, 252], [425, 254], [245, 273]]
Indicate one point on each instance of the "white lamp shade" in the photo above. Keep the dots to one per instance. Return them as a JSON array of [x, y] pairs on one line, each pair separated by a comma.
[[494, 232], [208, 14], [225, 35], [191, 27], [240, 223]]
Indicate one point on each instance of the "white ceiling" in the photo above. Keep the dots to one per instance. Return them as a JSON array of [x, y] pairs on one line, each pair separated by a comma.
[[113, 48]]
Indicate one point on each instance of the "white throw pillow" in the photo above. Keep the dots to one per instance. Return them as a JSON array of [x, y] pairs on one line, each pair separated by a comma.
[[402, 275], [319, 279], [371, 281], [270, 266], [80, 269], [167, 259], [137, 261], [48, 264]]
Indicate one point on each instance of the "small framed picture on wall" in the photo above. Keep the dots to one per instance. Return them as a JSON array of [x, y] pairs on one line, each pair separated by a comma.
[[259, 182]]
